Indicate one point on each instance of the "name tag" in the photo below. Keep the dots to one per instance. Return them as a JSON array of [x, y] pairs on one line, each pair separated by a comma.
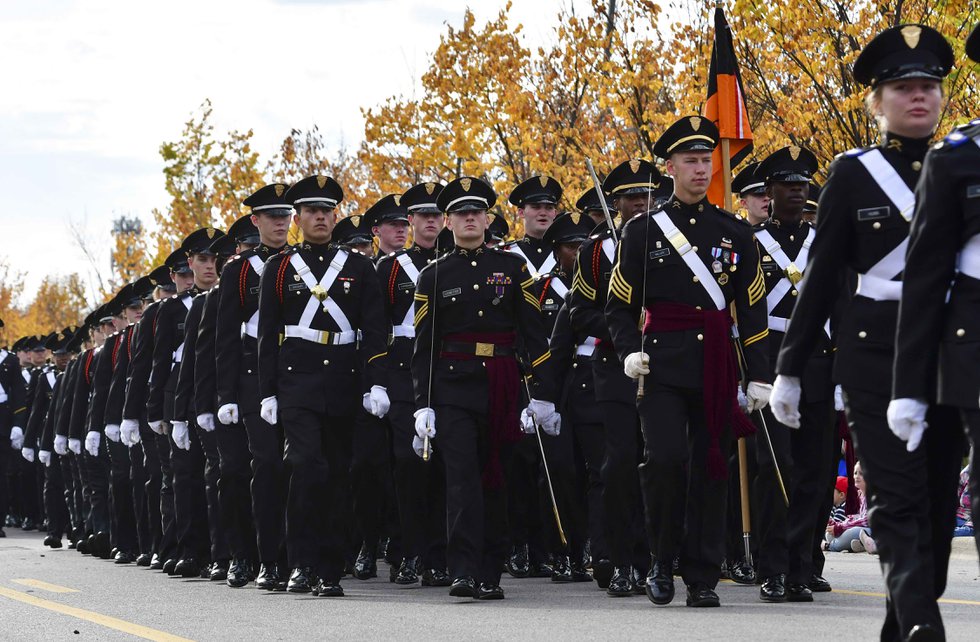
[[406, 286], [873, 213], [296, 286], [448, 293], [973, 191], [656, 254], [254, 290]]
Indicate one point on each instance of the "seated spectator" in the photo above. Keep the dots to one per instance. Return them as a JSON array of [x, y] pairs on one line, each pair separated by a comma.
[[845, 535], [964, 520], [838, 512]]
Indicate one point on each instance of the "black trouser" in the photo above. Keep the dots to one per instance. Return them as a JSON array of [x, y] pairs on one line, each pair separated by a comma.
[[124, 516], [525, 506], [676, 436], [734, 535], [369, 469], [190, 500], [217, 526], [420, 490], [971, 423], [318, 451], [72, 487], [590, 443], [168, 505], [55, 506], [233, 490], [138, 480], [28, 489], [911, 506], [570, 488], [5, 454], [269, 486], [476, 542], [154, 476], [97, 483], [786, 534], [621, 492]]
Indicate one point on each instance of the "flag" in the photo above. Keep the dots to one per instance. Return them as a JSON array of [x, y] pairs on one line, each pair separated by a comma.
[[726, 106]]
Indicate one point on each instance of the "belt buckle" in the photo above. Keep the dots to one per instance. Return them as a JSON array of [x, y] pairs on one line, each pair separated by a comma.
[[323, 337], [484, 349], [793, 274]]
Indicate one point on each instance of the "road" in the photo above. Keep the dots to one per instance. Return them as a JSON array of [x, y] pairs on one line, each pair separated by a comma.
[[60, 595]]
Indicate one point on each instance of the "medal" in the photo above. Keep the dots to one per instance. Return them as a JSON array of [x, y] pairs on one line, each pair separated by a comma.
[[716, 267]]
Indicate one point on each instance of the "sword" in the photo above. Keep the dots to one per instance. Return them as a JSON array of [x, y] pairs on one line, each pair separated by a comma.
[[426, 447], [547, 473], [602, 199], [640, 388], [775, 464]]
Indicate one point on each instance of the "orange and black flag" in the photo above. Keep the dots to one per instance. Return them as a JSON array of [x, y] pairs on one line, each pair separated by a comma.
[[726, 106]]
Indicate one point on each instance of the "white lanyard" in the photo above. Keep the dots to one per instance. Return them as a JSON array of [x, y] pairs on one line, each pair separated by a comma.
[[179, 352], [772, 247], [546, 267], [609, 249], [408, 322], [329, 305]]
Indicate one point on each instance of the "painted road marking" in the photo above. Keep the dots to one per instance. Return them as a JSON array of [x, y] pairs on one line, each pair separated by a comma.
[[93, 617], [942, 600], [44, 586]]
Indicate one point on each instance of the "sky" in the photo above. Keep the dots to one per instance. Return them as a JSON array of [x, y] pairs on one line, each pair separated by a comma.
[[89, 89]]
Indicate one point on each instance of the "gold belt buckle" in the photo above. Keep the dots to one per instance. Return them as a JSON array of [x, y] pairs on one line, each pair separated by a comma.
[[793, 274], [323, 337], [484, 349]]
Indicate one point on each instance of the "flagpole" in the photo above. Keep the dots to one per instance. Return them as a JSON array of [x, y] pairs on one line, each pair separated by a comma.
[[726, 164]]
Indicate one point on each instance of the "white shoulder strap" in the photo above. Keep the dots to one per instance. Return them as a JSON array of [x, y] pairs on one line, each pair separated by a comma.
[[890, 182], [690, 258], [329, 305], [413, 273], [546, 267], [609, 249], [256, 264]]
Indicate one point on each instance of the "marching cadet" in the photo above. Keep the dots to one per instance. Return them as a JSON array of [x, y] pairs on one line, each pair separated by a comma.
[[937, 322], [865, 210], [30, 477], [471, 307], [236, 355], [135, 428], [497, 231], [588, 203], [634, 186], [804, 456], [13, 414], [752, 195], [325, 303], [419, 486], [812, 199], [66, 459], [55, 504], [389, 222], [684, 264]]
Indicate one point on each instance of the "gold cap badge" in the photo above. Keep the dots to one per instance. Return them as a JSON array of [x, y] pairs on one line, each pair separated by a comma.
[[635, 165], [280, 189], [465, 184], [695, 123], [429, 188], [321, 181], [911, 34], [794, 152]]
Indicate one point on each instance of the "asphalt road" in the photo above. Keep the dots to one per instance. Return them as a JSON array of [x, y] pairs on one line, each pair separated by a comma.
[[61, 595]]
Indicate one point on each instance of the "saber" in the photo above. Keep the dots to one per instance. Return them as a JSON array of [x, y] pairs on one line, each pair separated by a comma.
[[602, 199], [547, 473], [640, 387], [426, 447], [743, 480], [775, 464]]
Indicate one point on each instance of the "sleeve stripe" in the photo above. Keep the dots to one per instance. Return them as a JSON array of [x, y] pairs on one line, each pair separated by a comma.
[[619, 287], [757, 290], [533, 300], [541, 359], [420, 313], [755, 338], [578, 283]]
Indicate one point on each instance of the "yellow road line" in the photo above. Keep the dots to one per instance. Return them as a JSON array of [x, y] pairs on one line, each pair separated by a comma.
[[44, 586], [93, 617], [942, 600]]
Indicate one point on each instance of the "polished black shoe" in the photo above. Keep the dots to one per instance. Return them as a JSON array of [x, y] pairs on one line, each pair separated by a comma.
[[28, 524], [819, 585], [659, 585], [218, 571], [156, 564], [99, 545], [48, 540], [741, 572], [408, 572], [170, 567], [82, 546], [463, 587], [540, 569], [621, 583], [11, 522], [518, 564], [113, 552], [700, 596], [639, 581], [366, 566], [143, 559], [798, 593], [188, 567], [602, 572], [328, 589], [579, 572], [269, 577], [239, 573], [301, 580], [925, 633], [436, 577], [773, 589], [561, 570], [490, 592], [123, 557]]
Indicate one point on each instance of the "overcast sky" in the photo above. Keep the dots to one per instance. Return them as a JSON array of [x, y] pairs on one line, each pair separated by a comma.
[[90, 88]]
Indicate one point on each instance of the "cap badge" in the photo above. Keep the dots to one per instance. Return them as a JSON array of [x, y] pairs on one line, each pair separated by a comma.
[[635, 165], [398, 200], [543, 180], [695, 123], [355, 220], [911, 34], [491, 217], [280, 188], [211, 232], [576, 217], [465, 184], [429, 188], [321, 181], [794, 152]]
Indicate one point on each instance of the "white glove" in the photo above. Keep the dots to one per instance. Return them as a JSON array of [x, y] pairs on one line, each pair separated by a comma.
[[636, 364], [112, 432], [16, 438], [757, 395], [376, 402], [743, 401], [785, 400], [129, 432], [61, 445], [75, 445], [228, 414], [418, 444], [425, 422], [527, 424], [270, 410], [28, 454], [838, 399], [546, 416], [92, 441], [907, 419], [206, 421], [181, 435], [44, 456], [156, 426]]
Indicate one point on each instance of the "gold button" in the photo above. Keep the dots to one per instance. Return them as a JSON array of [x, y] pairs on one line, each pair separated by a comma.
[[326, 362], [401, 365], [961, 332], [792, 238], [660, 260], [603, 359], [320, 257], [289, 367], [450, 367], [793, 292], [575, 365], [694, 247], [583, 385], [693, 221], [654, 340], [916, 165], [539, 250], [700, 337], [697, 307], [249, 372], [476, 286], [862, 334], [697, 280], [473, 263], [876, 225], [479, 313], [453, 299]]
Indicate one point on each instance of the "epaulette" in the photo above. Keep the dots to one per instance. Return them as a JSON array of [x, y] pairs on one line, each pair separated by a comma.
[[960, 135]]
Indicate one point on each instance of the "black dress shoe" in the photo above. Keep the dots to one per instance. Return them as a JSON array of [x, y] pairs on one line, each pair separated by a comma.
[[621, 583], [301, 580], [463, 587], [100, 545], [798, 593], [82, 546], [639, 581], [602, 571], [925, 633], [408, 572], [143, 559], [122, 557], [48, 540], [239, 573], [773, 589], [518, 564], [490, 592], [660, 585], [579, 572], [741, 572], [819, 585], [366, 565], [218, 571], [540, 569], [561, 570], [269, 577], [436, 577], [28, 525], [169, 567], [188, 567], [328, 589], [113, 552], [156, 563], [700, 596]]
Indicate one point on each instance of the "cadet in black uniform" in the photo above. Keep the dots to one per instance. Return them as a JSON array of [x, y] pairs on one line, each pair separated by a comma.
[[419, 486], [325, 303], [55, 504], [805, 456], [471, 307], [751, 190], [588, 203], [684, 264], [863, 224], [13, 414], [69, 467]]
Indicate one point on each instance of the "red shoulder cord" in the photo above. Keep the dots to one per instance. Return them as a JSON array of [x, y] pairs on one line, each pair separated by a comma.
[[391, 282], [544, 290], [115, 352], [88, 366], [596, 252], [280, 277], [242, 277], [129, 342]]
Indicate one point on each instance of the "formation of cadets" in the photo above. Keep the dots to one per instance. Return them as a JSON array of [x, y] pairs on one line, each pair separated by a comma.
[[254, 411]]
